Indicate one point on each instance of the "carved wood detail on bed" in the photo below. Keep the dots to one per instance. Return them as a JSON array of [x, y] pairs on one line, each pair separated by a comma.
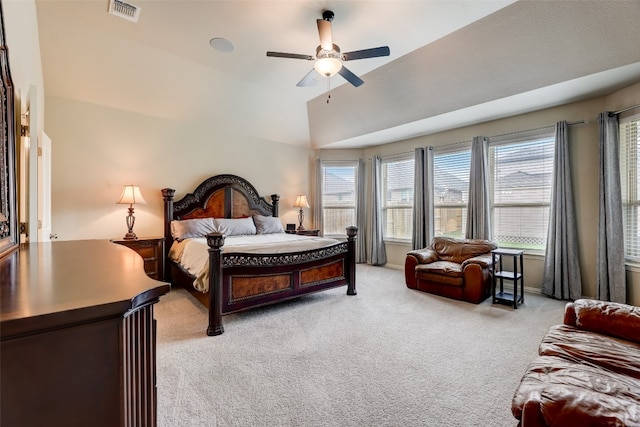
[[239, 281]]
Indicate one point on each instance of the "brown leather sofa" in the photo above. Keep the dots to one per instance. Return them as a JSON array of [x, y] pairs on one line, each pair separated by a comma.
[[588, 370], [453, 268]]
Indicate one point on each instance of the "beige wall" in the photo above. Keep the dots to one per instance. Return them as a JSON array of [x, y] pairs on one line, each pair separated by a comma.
[[21, 25], [584, 162], [98, 149]]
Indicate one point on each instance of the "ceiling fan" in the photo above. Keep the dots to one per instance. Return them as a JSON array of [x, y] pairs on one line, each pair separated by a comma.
[[328, 59]]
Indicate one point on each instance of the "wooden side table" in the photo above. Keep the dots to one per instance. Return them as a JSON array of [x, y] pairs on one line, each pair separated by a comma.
[[151, 249], [313, 232], [515, 276]]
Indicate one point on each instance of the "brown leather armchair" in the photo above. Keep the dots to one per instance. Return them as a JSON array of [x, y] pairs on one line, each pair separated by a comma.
[[453, 268]]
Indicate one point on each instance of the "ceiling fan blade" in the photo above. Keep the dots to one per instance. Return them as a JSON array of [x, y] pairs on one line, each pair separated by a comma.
[[290, 55], [350, 77], [366, 53], [324, 30], [309, 79]]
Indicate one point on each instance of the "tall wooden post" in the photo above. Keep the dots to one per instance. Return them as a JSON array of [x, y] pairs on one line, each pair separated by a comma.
[[215, 242], [351, 259]]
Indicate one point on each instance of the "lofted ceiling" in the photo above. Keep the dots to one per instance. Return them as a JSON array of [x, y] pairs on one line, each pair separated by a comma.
[[452, 63]]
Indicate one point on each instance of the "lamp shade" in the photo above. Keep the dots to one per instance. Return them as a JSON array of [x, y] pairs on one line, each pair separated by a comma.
[[131, 195], [301, 202]]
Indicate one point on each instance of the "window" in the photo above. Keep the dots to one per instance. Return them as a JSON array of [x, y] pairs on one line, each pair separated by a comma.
[[451, 192], [520, 190], [397, 197], [630, 184], [339, 196]]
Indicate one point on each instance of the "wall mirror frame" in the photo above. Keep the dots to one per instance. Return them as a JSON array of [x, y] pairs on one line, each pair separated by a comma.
[[9, 236]]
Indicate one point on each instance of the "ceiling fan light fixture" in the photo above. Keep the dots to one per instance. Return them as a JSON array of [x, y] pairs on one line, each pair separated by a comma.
[[327, 66], [328, 59]]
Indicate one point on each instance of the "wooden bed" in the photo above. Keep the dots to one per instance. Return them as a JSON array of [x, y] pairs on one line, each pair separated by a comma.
[[240, 281]]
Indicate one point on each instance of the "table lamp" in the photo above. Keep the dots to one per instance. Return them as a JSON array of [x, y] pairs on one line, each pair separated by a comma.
[[301, 202], [130, 196]]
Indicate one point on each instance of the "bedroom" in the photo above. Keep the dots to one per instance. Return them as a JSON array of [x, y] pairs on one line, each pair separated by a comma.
[[112, 135], [145, 130]]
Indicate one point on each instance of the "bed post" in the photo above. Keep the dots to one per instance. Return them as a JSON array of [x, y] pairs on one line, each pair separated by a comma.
[[215, 242], [167, 196], [274, 202], [351, 259]]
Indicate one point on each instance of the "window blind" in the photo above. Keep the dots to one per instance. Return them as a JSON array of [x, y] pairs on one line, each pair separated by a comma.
[[339, 195], [520, 188], [397, 203], [451, 192], [629, 183]]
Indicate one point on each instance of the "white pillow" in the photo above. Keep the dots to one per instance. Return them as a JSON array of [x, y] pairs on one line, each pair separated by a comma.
[[267, 224], [198, 227], [236, 226]]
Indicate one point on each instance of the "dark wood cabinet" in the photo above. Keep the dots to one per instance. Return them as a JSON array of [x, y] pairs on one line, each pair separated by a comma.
[[77, 336], [151, 249]]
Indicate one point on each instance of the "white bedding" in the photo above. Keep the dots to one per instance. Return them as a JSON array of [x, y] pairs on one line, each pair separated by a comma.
[[193, 253]]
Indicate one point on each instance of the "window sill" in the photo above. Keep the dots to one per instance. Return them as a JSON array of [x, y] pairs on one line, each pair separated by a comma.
[[633, 266], [398, 241]]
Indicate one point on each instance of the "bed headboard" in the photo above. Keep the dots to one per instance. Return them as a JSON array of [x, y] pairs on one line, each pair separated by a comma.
[[221, 196]]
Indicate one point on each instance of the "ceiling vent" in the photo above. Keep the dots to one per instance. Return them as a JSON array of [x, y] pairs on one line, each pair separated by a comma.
[[124, 10]]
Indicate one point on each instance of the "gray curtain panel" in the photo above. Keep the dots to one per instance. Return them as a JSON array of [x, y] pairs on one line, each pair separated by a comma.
[[361, 242], [317, 205], [422, 198], [561, 277], [378, 252], [479, 210], [610, 270]]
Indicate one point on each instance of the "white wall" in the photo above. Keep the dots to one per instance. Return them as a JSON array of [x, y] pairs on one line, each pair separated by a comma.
[[583, 147]]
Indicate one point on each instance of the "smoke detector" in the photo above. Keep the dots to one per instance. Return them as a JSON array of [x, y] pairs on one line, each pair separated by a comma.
[[124, 10]]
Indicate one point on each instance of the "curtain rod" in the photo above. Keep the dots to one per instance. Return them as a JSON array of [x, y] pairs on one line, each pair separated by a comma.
[[624, 109], [579, 122], [451, 144], [468, 141]]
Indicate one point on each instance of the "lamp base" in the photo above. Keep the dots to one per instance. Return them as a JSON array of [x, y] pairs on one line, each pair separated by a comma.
[[301, 219], [130, 221]]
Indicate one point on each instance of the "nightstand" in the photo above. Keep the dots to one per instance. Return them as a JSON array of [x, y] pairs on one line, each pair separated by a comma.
[[315, 232], [151, 249]]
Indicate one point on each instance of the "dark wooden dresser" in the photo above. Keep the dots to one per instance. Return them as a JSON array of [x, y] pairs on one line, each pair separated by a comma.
[[77, 336]]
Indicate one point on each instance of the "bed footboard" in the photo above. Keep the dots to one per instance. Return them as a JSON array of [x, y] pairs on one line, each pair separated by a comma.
[[242, 281]]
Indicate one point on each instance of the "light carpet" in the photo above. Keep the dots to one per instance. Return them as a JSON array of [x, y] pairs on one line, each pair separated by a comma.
[[389, 356]]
